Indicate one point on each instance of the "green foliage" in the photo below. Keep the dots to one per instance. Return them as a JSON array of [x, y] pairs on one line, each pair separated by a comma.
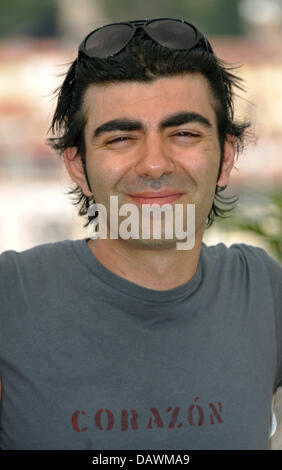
[[28, 17], [261, 216], [38, 17], [214, 17]]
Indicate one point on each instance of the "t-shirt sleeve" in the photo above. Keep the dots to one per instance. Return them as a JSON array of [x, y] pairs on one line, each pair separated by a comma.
[[275, 275]]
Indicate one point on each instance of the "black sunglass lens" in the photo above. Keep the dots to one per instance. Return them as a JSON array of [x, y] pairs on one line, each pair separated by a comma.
[[108, 41], [173, 34]]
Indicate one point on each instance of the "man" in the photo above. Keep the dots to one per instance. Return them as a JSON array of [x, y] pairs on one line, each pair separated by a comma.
[[119, 342]]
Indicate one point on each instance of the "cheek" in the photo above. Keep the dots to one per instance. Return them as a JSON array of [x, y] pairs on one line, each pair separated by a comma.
[[208, 173], [105, 172], [202, 166]]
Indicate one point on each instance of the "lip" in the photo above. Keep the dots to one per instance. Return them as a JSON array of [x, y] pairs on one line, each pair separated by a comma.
[[156, 197]]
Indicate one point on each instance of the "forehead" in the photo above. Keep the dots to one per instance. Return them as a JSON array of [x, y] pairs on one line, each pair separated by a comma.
[[148, 102]]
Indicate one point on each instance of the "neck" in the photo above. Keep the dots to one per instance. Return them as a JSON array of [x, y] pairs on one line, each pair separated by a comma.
[[152, 267]]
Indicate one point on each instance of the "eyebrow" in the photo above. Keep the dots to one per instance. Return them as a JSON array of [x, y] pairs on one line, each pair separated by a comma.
[[126, 124], [184, 118], [123, 124]]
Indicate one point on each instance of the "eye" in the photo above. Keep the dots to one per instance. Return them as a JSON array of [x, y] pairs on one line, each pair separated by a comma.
[[185, 134], [121, 141], [118, 139]]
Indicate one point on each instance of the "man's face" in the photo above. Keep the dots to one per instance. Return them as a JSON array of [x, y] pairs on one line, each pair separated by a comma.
[[153, 137]]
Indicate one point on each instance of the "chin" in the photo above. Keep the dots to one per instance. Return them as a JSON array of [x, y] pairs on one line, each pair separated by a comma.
[[153, 244]]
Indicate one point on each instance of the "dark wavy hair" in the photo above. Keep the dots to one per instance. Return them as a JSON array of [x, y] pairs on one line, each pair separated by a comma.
[[143, 60]]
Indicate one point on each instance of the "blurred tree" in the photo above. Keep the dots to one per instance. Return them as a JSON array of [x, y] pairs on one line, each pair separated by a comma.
[[214, 17], [260, 215], [39, 18], [28, 18]]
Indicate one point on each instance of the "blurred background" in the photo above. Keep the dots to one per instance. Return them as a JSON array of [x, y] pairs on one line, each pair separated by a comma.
[[38, 40]]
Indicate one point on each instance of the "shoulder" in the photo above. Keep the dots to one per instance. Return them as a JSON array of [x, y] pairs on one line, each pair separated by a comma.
[[237, 250], [34, 260], [35, 251], [241, 257]]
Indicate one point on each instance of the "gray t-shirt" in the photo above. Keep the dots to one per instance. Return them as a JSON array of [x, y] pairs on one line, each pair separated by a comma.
[[89, 360]]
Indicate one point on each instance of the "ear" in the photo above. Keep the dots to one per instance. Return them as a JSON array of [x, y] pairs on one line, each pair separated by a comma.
[[74, 166], [229, 151]]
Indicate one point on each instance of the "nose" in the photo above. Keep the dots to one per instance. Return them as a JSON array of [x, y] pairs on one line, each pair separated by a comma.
[[154, 160]]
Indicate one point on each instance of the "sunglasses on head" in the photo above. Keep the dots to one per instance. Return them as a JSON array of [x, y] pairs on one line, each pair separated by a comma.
[[111, 39]]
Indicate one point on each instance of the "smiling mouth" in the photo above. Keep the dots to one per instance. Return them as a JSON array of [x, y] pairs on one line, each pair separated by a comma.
[[160, 197]]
